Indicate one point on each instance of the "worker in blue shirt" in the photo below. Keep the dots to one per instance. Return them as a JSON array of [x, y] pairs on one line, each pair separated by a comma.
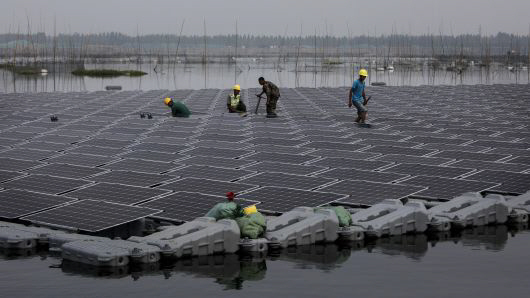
[[357, 97]]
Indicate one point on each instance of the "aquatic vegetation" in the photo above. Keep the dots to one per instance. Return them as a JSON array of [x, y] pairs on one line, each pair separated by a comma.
[[107, 73]]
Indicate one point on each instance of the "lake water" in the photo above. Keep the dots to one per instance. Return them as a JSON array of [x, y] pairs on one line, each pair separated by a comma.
[[196, 76], [482, 262]]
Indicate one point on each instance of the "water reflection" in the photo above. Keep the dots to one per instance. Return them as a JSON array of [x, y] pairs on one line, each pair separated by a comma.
[[233, 270], [197, 76]]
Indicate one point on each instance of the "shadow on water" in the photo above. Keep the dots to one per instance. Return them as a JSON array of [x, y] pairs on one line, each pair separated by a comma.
[[233, 270]]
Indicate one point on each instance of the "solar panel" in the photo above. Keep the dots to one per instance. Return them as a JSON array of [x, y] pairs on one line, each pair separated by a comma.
[[165, 148], [132, 178], [216, 161], [7, 175], [512, 183], [81, 159], [486, 165], [65, 170], [449, 147], [427, 140], [498, 144], [117, 193], [90, 215], [206, 186], [279, 199], [344, 154], [353, 174], [402, 158], [153, 155], [10, 164], [45, 184], [279, 149], [207, 172], [44, 146], [521, 159], [216, 152], [280, 157], [58, 139], [398, 150], [140, 165], [275, 167], [439, 188], [287, 180], [288, 141], [17, 203], [369, 193], [350, 163], [470, 155], [335, 146], [427, 170], [95, 150], [222, 137], [106, 143], [186, 206]]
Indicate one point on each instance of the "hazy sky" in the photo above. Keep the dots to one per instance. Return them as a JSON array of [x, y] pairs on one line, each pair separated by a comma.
[[268, 16]]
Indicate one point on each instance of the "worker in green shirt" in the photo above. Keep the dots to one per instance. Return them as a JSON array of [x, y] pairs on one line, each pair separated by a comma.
[[178, 109]]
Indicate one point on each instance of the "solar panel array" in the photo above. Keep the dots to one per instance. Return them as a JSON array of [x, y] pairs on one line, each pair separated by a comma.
[[428, 142]]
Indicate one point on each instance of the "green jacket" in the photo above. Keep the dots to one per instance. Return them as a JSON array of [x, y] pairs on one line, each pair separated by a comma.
[[179, 109]]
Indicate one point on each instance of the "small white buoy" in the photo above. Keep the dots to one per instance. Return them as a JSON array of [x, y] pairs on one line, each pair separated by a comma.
[[43, 71]]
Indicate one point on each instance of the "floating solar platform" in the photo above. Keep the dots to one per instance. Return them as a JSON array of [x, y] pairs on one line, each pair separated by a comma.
[[444, 189], [427, 170], [353, 174], [90, 216], [186, 206], [116, 193], [281, 157], [510, 183], [287, 180], [10, 164], [368, 193], [18, 203], [214, 173], [471, 156], [207, 186], [45, 184], [8, 175], [132, 178], [77, 159], [217, 162], [66, 170], [350, 163], [486, 165], [140, 165], [276, 167], [278, 199]]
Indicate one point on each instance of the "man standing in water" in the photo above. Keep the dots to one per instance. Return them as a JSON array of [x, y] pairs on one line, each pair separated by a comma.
[[357, 97], [273, 94]]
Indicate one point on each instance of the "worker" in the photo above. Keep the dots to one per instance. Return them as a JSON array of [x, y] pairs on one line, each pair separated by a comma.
[[234, 102], [178, 109], [273, 94], [357, 97]]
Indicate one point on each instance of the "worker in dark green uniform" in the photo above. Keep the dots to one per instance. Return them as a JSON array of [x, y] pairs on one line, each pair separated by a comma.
[[178, 109], [273, 94], [234, 102]]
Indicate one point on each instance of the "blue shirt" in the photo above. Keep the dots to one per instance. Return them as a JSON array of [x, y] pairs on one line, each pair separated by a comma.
[[357, 90]]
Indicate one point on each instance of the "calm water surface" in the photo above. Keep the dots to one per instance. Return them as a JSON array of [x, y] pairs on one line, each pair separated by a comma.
[[482, 262]]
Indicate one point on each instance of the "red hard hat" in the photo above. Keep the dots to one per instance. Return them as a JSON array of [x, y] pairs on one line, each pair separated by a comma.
[[230, 195]]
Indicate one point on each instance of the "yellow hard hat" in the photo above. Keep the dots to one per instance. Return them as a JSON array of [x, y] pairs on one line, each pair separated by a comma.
[[250, 210], [363, 72], [167, 100], [237, 87]]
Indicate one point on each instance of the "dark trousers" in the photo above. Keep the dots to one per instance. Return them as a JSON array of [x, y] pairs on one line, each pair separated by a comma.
[[271, 105], [241, 108]]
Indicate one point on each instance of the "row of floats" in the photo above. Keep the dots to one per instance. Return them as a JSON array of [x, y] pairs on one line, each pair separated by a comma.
[[300, 226]]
